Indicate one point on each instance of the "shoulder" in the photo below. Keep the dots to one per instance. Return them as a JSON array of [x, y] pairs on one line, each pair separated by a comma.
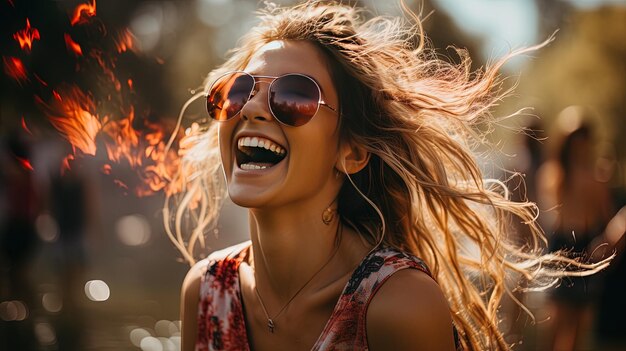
[[409, 311], [191, 290], [189, 300], [193, 278]]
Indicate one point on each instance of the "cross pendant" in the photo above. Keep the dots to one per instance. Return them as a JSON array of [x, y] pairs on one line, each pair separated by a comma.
[[270, 325]]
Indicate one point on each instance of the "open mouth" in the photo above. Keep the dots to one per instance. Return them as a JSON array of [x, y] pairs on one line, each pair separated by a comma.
[[258, 153]]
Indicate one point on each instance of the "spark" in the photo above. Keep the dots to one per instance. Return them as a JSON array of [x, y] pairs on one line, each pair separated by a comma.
[[26, 36], [72, 45], [82, 12]]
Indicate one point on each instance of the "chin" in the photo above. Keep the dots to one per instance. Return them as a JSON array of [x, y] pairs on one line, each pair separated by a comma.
[[249, 197]]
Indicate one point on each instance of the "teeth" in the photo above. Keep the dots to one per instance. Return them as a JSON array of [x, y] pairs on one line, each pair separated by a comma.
[[252, 166], [261, 142]]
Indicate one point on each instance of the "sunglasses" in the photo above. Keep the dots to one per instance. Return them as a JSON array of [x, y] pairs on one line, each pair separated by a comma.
[[293, 98]]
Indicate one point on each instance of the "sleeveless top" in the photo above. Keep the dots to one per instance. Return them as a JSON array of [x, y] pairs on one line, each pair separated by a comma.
[[221, 321]]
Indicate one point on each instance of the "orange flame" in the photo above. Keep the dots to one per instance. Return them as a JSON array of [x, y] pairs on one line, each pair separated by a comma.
[[72, 45], [25, 127], [72, 114], [65, 165], [125, 139], [14, 68], [26, 36], [82, 12], [143, 151], [124, 41]]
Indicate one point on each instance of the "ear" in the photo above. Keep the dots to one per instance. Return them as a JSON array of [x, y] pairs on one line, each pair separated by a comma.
[[352, 157]]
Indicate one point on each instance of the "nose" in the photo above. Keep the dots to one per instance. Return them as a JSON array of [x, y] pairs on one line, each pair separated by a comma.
[[257, 108]]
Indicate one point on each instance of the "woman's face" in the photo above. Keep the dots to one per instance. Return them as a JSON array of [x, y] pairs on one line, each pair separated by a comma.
[[311, 150]]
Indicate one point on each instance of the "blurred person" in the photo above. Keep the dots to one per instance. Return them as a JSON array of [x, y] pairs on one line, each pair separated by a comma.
[[18, 240], [610, 322], [371, 225], [71, 206], [611, 308], [584, 209]]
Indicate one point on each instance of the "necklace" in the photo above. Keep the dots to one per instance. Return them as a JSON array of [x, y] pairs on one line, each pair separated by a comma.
[[270, 320]]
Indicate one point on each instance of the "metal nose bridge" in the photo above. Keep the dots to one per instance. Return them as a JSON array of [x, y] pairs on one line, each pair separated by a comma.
[[257, 80]]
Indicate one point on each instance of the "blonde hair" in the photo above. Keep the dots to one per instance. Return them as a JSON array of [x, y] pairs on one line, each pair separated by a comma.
[[422, 191]]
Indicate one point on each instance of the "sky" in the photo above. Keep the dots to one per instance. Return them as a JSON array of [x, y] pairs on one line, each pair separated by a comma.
[[505, 24]]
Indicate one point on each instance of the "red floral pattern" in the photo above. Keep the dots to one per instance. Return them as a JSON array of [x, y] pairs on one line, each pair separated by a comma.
[[221, 322]]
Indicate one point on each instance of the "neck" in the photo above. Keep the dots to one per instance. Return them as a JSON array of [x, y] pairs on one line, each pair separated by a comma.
[[289, 246]]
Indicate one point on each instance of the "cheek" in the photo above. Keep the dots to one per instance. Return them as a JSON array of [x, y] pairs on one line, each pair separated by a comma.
[[317, 149]]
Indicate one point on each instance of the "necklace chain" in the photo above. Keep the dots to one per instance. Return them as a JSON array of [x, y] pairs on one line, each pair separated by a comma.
[[270, 320]]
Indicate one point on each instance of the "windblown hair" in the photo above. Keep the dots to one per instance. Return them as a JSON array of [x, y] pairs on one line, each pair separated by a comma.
[[422, 191]]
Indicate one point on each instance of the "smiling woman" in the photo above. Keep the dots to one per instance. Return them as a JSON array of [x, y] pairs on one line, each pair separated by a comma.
[[350, 146]]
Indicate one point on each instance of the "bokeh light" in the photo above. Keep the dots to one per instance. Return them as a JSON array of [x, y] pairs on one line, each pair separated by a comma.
[[215, 13], [13, 311], [47, 227], [97, 290], [45, 333], [138, 334], [165, 336], [151, 343], [570, 119], [165, 328], [52, 302], [153, 21], [133, 230]]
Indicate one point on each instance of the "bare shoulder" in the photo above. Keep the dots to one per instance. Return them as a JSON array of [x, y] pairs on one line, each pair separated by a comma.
[[191, 283], [409, 312], [189, 300]]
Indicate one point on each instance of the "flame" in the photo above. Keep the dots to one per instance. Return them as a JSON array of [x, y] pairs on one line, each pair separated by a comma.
[[143, 150], [101, 122], [107, 66], [72, 45], [82, 12], [26, 36], [14, 68], [25, 163], [25, 127], [40, 80], [72, 114], [65, 164], [124, 41]]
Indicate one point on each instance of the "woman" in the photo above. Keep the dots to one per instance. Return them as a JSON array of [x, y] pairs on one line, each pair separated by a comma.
[[370, 224], [583, 214]]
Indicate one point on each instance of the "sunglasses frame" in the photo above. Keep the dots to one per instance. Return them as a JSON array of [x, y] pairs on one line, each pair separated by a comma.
[[254, 91]]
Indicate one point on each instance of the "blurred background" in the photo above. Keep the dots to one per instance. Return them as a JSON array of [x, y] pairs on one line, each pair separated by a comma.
[[90, 96]]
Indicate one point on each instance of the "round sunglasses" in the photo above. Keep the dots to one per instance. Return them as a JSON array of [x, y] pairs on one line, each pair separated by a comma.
[[293, 98]]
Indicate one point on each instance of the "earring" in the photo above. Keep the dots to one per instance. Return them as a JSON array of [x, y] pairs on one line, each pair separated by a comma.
[[328, 215], [337, 173]]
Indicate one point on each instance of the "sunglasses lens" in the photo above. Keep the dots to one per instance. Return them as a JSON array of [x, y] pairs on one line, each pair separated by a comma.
[[294, 99], [228, 95]]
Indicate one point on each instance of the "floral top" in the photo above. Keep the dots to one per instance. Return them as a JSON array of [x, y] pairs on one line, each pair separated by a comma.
[[221, 321]]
